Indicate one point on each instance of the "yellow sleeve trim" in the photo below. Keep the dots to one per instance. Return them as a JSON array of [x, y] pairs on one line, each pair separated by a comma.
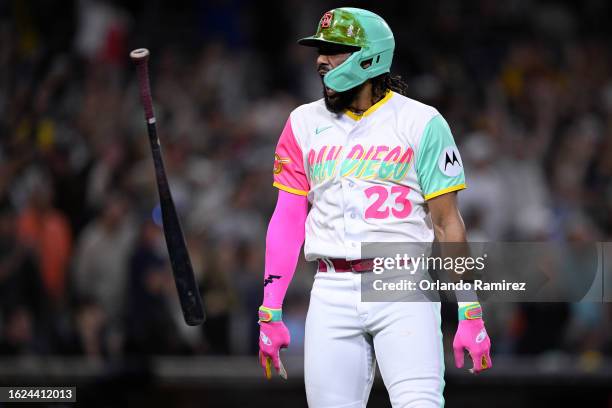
[[445, 191], [289, 189]]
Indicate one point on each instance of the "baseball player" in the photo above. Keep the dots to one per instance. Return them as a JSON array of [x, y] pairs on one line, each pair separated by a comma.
[[375, 166]]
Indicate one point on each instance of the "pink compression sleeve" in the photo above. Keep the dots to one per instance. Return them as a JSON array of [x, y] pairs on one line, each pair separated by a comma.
[[283, 243]]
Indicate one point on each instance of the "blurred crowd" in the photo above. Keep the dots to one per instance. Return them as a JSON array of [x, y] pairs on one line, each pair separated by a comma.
[[525, 86]]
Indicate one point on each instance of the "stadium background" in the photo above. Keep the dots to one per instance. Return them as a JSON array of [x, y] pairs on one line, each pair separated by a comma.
[[86, 296]]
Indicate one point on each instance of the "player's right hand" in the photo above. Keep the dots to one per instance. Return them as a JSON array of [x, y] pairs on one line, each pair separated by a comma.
[[272, 337]]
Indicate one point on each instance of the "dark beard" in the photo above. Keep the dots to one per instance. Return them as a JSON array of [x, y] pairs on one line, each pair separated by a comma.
[[340, 101]]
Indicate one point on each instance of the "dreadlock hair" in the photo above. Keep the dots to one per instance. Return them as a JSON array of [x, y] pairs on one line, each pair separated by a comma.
[[387, 81]]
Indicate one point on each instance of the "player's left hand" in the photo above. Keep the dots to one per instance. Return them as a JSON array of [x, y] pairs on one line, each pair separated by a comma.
[[472, 335]]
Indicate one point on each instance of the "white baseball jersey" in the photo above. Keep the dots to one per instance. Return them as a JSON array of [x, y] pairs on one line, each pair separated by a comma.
[[367, 177]]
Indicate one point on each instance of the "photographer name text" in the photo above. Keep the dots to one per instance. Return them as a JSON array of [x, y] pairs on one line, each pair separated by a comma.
[[428, 285]]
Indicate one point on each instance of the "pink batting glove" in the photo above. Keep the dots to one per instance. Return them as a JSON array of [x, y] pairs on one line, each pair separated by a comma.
[[472, 335], [273, 335]]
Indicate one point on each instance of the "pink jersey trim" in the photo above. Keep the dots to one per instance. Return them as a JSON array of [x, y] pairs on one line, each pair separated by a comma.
[[289, 162]]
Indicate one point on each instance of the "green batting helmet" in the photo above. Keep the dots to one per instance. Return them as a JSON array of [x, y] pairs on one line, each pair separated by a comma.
[[371, 38]]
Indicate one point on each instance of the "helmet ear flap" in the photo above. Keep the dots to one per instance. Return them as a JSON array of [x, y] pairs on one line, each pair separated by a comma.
[[366, 63], [355, 70], [370, 62], [347, 75]]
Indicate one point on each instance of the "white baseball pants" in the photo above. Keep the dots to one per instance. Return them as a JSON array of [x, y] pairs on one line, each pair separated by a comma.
[[345, 338]]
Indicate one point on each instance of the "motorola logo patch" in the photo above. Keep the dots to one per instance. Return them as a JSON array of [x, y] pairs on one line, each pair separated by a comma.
[[450, 163]]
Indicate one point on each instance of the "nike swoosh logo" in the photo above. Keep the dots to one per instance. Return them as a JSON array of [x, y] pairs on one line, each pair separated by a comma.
[[481, 336], [265, 339], [323, 129]]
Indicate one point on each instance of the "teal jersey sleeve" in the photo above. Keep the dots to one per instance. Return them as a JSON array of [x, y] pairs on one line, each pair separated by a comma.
[[439, 166]]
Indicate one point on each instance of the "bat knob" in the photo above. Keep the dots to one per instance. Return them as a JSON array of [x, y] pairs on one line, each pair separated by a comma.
[[139, 54]]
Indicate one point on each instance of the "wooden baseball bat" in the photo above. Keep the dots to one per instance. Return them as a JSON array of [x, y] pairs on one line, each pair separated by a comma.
[[186, 286]]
